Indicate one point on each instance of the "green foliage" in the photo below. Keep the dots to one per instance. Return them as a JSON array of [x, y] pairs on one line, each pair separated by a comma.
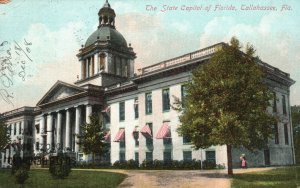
[[227, 100], [40, 178], [209, 164], [92, 137], [21, 175], [60, 166], [16, 163], [296, 131], [280, 177], [4, 135]]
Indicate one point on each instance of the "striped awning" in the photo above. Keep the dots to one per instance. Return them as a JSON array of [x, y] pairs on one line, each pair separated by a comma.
[[146, 130], [164, 131], [107, 136], [120, 135]]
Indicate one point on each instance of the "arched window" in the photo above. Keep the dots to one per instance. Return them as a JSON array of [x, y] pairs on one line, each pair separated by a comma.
[[102, 61]]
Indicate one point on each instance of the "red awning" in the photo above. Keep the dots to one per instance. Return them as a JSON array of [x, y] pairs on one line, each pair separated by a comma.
[[107, 136], [120, 135], [146, 130], [164, 131]]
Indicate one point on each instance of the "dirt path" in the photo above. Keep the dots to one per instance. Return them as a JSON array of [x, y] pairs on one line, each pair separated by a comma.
[[180, 178], [177, 178]]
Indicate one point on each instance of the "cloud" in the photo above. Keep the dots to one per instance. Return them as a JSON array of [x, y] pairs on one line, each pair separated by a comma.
[[54, 58], [153, 40], [275, 43]]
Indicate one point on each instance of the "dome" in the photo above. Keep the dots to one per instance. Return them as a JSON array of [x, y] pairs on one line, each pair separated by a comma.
[[104, 33]]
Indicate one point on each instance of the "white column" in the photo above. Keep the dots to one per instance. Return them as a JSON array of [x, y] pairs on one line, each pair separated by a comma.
[[58, 130], [49, 130], [96, 63], [12, 129], [77, 127], [68, 128], [42, 127], [81, 70], [88, 113], [7, 155], [106, 62]]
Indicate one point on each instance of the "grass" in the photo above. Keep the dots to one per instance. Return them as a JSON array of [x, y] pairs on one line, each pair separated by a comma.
[[288, 177], [42, 178]]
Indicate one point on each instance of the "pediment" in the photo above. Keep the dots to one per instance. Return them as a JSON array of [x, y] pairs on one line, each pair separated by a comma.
[[60, 90]]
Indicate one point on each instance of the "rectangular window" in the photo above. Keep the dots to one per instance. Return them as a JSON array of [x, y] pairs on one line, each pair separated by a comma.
[[15, 129], [168, 139], [166, 99], [148, 103], [274, 102], [136, 108], [136, 157], [37, 146], [136, 142], [149, 140], [167, 156], [286, 134], [149, 156], [276, 137], [122, 144], [183, 94], [9, 129], [186, 140], [122, 156], [37, 127], [211, 156], [283, 105], [20, 130], [187, 155], [29, 127], [122, 111]]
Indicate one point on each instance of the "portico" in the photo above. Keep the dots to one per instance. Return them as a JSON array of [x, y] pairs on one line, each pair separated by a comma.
[[64, 109]]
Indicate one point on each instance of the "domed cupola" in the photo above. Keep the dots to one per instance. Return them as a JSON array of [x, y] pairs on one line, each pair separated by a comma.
[[105, 58], [106, 16], [106, 29]]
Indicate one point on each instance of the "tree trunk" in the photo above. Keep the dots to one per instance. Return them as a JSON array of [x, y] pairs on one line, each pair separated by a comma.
[[229, 160], [93, 158]]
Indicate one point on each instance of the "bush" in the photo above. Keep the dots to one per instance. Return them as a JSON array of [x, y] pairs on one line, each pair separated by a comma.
[[209, 164], [132, 164], [21, 175], [60, 166], [147, 164]]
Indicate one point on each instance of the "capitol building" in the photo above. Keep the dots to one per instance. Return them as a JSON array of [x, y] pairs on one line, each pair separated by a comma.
[[136, 107]]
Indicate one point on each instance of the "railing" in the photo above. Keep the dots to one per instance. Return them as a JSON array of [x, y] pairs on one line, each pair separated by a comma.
[[184, 58]]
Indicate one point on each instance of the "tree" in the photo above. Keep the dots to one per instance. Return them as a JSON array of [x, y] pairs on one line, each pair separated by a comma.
[[4, 135], [296, 131], [226, 102], [92, 137]]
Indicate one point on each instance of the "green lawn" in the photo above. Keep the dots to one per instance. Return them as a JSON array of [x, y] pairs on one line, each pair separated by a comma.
[[42, 178], [281, 177]]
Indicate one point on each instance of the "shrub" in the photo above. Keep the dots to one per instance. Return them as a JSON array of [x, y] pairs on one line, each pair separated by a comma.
[[21, 175], [147, 164], [157, 164], [132, 164], [209, 164], [60, 166]]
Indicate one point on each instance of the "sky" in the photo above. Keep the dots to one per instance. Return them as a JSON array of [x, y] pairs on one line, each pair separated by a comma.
[[39, 40]]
